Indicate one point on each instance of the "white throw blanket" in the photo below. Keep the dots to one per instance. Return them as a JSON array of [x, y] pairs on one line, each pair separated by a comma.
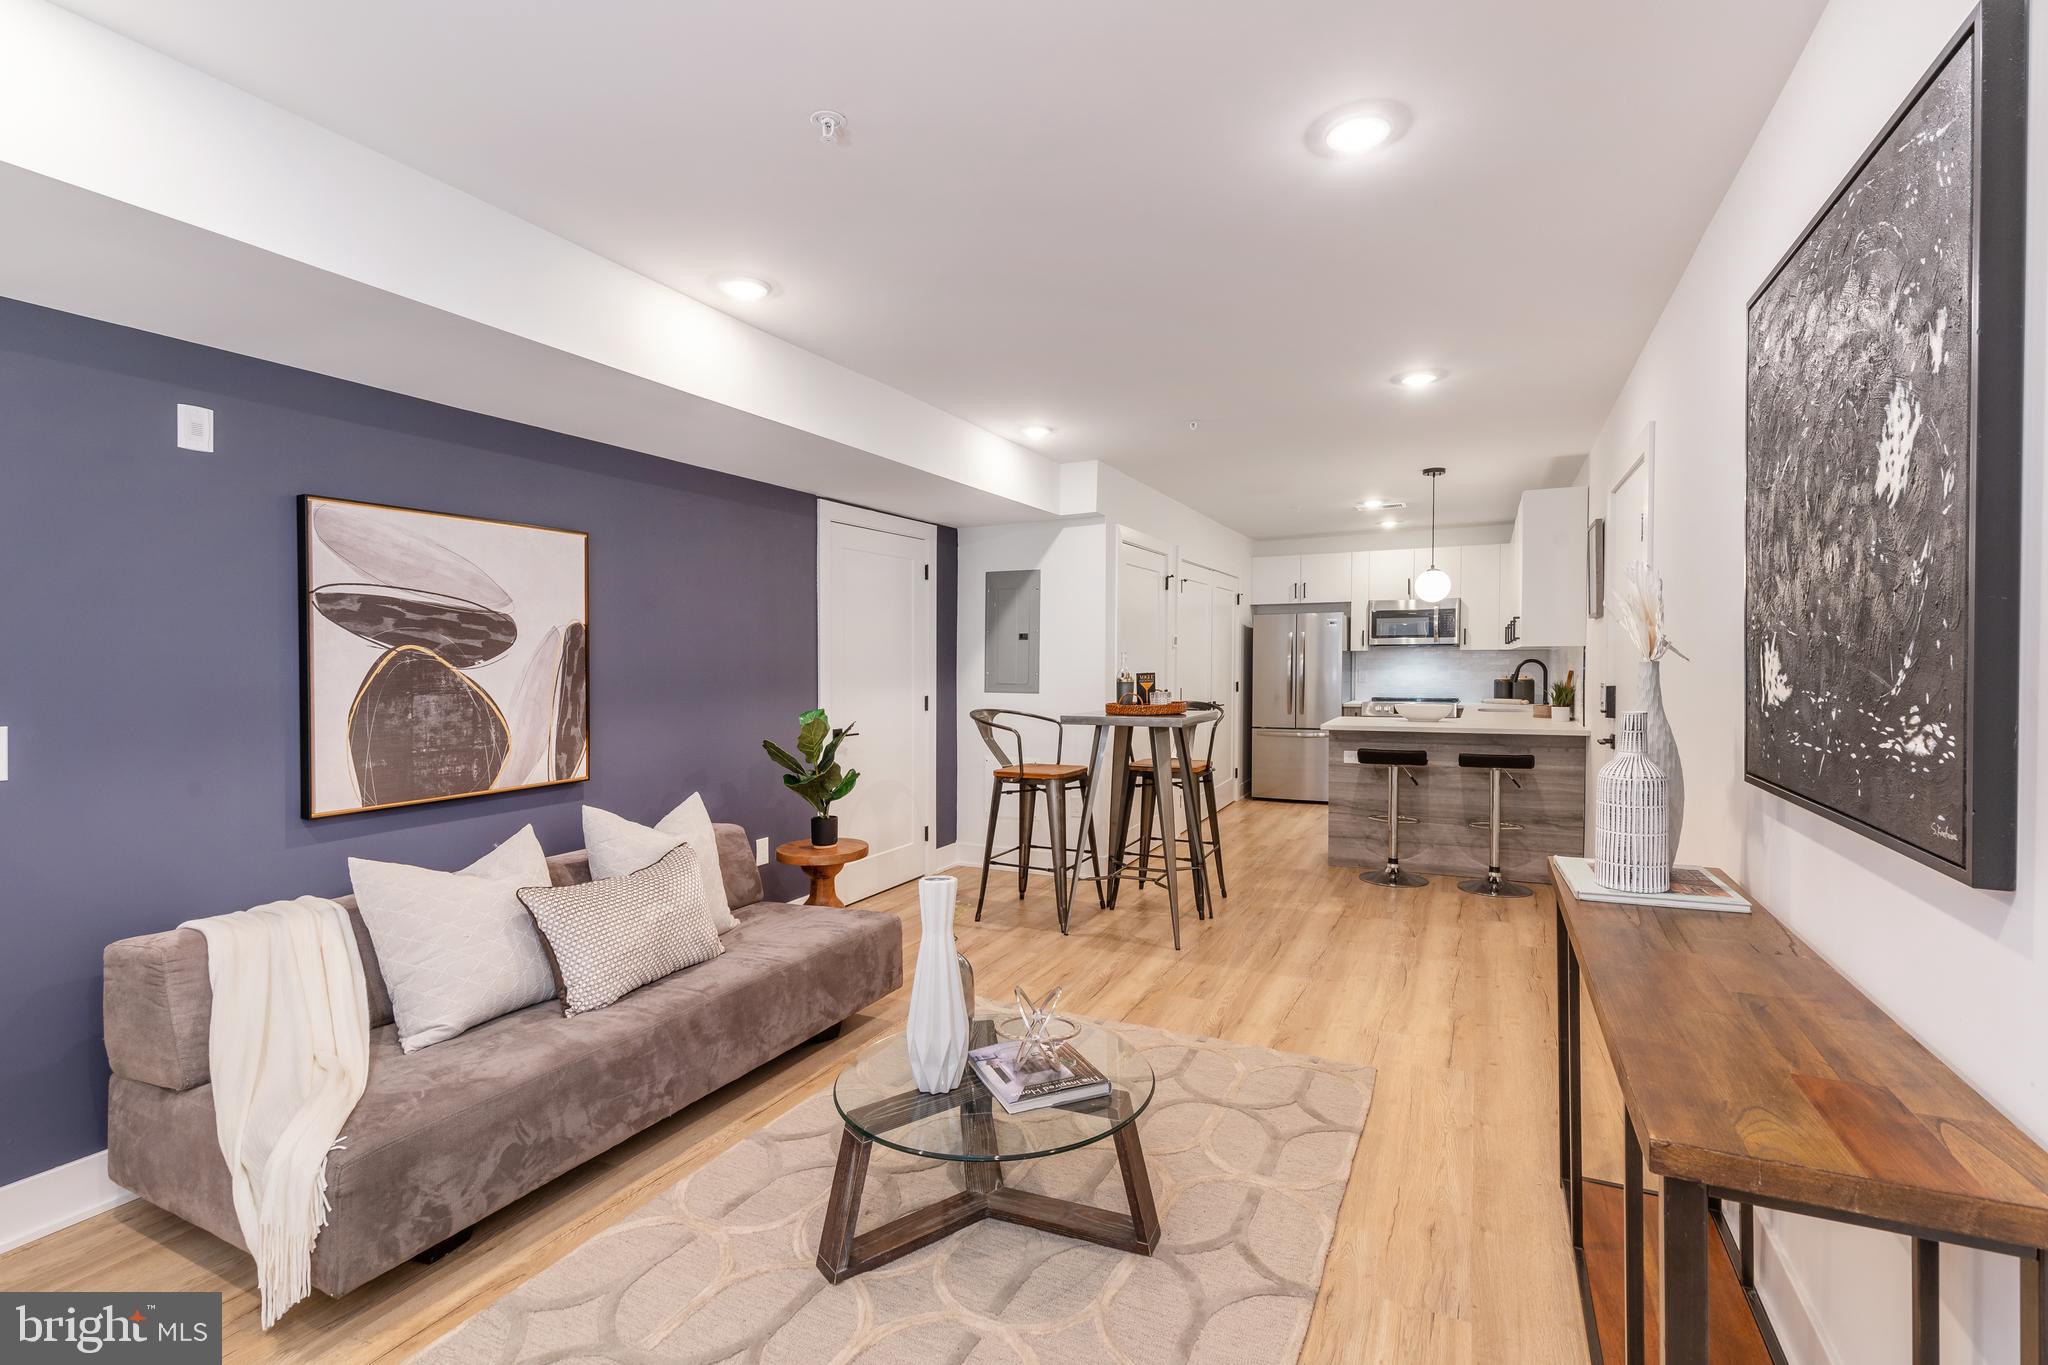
[[289, 1047]]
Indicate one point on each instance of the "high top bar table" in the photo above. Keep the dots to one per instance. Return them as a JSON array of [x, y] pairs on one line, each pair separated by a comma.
[[1169, 737]]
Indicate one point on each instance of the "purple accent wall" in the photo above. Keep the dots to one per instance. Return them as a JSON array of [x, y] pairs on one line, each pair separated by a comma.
[[149, 657]]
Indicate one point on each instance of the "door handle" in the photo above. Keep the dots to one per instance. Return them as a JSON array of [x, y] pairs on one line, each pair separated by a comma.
[[1608, 740]]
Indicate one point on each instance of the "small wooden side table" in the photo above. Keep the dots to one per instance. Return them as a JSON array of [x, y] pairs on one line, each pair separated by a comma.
[[822, 865]]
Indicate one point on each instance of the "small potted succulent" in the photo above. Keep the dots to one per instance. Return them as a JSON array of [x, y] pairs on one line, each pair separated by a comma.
[[1563, 696], [817, 776]]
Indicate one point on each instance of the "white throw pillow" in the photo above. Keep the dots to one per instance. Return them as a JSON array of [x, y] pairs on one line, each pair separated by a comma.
[[456, 948], [617, 846]]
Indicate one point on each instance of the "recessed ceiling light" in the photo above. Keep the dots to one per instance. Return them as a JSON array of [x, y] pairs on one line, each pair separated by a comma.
[[1418, 379], [1357, 129], [1037, 431], [1389, 524], [745, 288]]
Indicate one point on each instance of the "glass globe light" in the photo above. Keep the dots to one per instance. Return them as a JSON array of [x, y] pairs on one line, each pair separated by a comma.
[[1433, 584]]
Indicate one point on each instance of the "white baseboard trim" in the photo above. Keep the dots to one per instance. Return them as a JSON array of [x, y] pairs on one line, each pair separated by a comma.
[[1786, 1299], [50, 1201]]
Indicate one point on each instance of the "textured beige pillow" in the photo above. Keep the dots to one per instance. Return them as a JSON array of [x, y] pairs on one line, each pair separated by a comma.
[[617, 934], [617, 846], [456, 948]]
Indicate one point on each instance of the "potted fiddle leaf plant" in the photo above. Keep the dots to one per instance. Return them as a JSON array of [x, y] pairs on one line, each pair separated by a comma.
[[816, 776]]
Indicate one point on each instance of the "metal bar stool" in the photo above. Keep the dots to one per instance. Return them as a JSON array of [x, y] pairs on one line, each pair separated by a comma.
[[1142, 781], [1032, 782], [1496, 766], [1396, 762]]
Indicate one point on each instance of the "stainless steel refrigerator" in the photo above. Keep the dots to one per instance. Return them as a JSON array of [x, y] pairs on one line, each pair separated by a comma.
[[1297, 684]]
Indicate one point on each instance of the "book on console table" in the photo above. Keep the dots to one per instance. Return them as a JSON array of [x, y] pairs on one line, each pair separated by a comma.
[[1692, 888], [1074, 1078]]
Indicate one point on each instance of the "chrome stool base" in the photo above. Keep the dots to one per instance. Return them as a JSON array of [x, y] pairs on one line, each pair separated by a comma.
[[1392, 876], [1494, 884]]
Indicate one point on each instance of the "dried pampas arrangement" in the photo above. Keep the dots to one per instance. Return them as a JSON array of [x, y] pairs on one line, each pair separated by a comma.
[[1638, 602]]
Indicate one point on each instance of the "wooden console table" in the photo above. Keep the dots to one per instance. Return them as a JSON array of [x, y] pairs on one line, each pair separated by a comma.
[[1752, 1072]]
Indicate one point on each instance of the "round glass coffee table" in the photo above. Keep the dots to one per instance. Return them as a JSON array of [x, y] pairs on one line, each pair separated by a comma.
[[879, 1103]]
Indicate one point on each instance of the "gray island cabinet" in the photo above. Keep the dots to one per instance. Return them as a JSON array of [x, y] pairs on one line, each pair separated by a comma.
[[1450, 804]]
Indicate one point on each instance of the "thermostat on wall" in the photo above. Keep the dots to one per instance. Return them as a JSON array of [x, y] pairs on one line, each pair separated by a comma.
[[195, 428]]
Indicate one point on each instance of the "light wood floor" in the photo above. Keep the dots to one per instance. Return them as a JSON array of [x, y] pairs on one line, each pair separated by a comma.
[[1451, 1244]]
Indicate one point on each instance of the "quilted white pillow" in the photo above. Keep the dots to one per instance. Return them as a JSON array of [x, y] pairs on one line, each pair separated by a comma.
[[456, 948], [617, 846]]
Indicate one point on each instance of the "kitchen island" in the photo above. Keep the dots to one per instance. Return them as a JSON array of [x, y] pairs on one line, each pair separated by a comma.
[[1446, 800]]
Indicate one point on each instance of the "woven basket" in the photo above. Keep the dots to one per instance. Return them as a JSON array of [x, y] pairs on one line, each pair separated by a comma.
[[1164, 708]]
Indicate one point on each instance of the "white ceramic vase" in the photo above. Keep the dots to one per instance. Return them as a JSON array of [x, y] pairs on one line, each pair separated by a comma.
[[1631, 836], [935, 1035], [1659, 744]]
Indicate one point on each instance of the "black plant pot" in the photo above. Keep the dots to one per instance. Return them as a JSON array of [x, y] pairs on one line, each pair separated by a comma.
[[824, 831]]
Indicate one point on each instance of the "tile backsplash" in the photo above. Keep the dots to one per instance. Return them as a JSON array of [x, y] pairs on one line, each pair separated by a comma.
[[1467, 674]]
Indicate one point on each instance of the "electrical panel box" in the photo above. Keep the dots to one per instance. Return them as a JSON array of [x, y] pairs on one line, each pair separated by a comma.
[[1010, 631]]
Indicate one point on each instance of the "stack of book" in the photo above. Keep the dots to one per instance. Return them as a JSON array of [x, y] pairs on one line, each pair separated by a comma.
[[1071, 1077]]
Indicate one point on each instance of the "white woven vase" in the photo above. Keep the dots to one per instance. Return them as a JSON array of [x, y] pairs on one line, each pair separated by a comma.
[[1632, 812], [935, 1034]]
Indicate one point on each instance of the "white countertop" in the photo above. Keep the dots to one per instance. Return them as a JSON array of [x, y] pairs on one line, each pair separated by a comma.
[[1473, 722]]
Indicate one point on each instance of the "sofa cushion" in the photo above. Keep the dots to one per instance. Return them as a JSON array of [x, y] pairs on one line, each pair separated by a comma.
[[456, 948], [158, 1000], [617, 846], [617, 934]]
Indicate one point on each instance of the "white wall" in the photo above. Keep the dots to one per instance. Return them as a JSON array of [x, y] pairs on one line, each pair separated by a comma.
[[1966, 971], [1400, 538]]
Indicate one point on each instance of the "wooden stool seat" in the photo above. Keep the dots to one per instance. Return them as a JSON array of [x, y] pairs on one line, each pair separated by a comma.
[[1145, 765], [1042, 772]]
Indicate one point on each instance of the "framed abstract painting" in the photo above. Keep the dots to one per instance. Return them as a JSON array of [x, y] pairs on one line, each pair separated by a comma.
[[441, 656], [1882, 525]]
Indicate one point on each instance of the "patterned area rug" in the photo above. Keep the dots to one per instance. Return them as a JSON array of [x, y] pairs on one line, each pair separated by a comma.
[[1249, 1151]]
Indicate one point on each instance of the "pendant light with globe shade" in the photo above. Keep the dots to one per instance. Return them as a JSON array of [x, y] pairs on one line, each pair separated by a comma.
[[1432, 584]]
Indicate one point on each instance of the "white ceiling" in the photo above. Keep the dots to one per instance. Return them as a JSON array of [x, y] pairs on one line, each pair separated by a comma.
[[1103, 217]]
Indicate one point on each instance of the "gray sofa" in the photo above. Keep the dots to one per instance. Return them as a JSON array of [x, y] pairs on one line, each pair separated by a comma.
[[445, 1135]]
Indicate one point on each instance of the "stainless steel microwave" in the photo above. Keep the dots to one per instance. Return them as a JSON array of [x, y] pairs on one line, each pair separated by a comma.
[[1407, 621]]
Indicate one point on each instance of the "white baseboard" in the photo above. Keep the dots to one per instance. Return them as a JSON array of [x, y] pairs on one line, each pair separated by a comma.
[[50, 1201], [1786, 1299]]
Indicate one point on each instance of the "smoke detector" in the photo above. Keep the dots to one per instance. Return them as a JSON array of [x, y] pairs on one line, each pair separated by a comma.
[[830, 124]]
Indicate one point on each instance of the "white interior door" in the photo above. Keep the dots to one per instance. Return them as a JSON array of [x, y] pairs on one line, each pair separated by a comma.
[[1628, 543], [1223, 670], [877, 656], [1141, 612]]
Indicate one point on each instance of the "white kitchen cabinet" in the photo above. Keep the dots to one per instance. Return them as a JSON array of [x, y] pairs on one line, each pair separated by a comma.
[[1276, 579], [1477, 587], [1284, 579], [1326, 577], [1544, 576], [1391, 574]]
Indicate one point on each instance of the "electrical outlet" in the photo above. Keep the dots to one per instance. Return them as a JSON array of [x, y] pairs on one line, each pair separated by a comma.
[[195, 428], [3, 753], [760, 849]]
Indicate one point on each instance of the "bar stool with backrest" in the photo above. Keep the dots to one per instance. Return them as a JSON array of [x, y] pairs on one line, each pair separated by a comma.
[[1141, 782], [1397, 762], [1032, 783], [1496, 767]]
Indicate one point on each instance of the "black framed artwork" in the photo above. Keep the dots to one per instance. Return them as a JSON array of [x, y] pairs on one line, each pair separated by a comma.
[[441, 656], [1882, 510]]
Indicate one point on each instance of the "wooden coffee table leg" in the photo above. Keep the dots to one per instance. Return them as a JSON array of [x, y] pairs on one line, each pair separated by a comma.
[[825, 887], [1130, 1155], [842, 1209]]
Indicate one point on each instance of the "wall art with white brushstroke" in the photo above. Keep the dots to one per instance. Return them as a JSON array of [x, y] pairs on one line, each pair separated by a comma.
[[441, 656], [1882, 417]]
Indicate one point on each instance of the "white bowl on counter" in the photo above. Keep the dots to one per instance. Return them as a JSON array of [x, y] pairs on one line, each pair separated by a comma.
[[1423, 710]]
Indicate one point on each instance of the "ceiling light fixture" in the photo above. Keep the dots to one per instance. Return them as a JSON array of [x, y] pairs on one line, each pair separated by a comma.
[[1038, 431], [1432, 584], [1357, 129], [1419, 379], [1379, 505], [1388, 524], [745, 288]]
